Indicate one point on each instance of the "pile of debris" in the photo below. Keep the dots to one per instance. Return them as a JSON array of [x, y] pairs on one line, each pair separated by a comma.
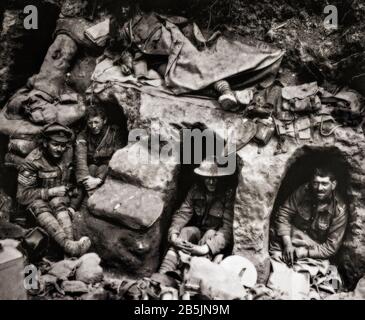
[[70, 279]]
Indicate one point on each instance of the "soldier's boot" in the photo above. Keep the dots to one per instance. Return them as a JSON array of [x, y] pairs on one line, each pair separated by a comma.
[[227, 99], [73, 248], [64, 219], [170, 262]]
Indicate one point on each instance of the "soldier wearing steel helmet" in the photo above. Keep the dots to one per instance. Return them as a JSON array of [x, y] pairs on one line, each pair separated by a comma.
[[202, 226]]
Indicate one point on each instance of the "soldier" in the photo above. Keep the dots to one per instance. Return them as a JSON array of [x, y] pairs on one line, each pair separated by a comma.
[[203, 224], [44, 182], [312, 221], [94, 148]]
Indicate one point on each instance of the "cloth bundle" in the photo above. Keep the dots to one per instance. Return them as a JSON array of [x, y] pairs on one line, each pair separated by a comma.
[[46, 98], [347, 106], [99, 33], [307, 279], [302, 98]]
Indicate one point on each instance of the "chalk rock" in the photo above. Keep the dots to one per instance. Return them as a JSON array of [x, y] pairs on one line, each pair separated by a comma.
[[266, 180], [132, 206], [126, 251], [134, 164]]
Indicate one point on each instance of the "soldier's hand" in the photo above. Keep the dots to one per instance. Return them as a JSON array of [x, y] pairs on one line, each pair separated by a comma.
[[125, 70], [92, 183], [183, 245], [199, 250], [60, 191], [288, 254]]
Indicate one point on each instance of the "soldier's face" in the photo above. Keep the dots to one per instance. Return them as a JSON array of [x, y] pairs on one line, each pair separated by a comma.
[[211, 184], [323, 187], [56, 149], [96, 124]]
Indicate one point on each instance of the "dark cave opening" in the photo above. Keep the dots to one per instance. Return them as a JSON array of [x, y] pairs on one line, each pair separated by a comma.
[[300, 170], [302, 166], [187, 178], [31, 46]]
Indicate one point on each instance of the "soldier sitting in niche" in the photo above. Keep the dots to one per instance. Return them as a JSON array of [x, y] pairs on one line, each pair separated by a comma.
[[94, 148]]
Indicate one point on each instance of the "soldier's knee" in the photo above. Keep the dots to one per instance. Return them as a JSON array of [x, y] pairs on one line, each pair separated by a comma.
[[38, 207], [93, 169], [58, 204], [210, 234], [190, 234]]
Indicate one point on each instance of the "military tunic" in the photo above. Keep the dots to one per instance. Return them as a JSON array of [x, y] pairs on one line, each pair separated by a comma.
[[216, 215], [323, 223], [38, 174], [93, 153]]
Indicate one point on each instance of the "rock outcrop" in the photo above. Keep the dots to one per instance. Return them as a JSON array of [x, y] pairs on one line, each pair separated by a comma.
[[128, 215], [266, 180]]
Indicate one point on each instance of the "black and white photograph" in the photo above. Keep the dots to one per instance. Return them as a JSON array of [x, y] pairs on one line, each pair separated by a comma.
[[185, 150]]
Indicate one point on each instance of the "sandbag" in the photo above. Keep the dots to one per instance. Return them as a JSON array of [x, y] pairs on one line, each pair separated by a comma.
[[64, 269], [131, 206], [69, 113], [89, 270], [15, 105], [65, 112], [13, 160], [22, 147], [56, 64], [80, 76], [75, 29], [17, 128]]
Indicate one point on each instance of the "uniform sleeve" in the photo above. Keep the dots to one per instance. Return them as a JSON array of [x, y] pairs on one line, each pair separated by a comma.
[[102, 172], [118, 143], [284, 216], [335, 236], [82, 170], [28, 190], [223, 236], [182, 216], [120, 140]]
